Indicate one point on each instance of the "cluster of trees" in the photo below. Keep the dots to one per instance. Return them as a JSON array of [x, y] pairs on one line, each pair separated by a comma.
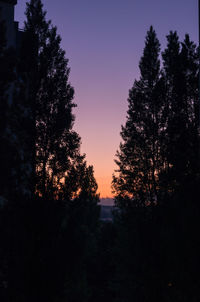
[[38, 124], [49, 210], [157, 182], [159, 152], [53, 245]]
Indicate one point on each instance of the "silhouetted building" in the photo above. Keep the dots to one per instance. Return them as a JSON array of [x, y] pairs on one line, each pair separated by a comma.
[[13, 35]]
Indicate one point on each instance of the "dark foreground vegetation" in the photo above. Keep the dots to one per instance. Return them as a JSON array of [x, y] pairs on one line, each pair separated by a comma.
[[53, 246]]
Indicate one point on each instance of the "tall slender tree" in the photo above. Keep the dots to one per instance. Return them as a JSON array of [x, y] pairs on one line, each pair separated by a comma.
[[151, 244], [180, 63], [139, 156], [55, 144], [42, 234]]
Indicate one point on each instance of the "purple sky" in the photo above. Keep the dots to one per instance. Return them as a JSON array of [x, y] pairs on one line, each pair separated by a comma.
[[104, 40]]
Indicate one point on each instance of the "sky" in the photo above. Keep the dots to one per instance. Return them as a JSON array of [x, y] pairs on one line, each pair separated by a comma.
[[104, 40]]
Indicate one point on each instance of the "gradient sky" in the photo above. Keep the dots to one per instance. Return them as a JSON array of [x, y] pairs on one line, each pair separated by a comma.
[[104, 40]]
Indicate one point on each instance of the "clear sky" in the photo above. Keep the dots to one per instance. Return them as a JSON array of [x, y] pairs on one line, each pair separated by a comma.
[[104, 40]]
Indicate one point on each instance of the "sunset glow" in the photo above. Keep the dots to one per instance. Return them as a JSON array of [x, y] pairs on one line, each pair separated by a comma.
[[104, 41]]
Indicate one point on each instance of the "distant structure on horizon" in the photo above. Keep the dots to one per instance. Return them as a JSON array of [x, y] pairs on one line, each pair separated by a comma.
[[106, 213], [107, 201], [13, 34]]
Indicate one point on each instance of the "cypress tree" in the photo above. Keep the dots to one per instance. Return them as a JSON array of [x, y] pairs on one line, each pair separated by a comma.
[[139, 156], [180, 61], [56, 227], [156, 247], [54, 143]]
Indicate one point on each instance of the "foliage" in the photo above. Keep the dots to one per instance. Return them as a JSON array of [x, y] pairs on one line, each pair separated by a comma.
[[53, 245], [55, 143], [50, 218], [159, 152], [157, 182]]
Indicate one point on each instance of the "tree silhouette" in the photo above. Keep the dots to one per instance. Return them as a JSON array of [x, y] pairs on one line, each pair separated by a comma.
[[139, 158], [49, 226], [157, 185], [54, 143], [181, 133]]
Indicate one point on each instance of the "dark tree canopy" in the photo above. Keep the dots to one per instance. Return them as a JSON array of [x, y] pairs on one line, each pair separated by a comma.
[[139, 156], [56, 146], [156, 185], [159, 149], [53, 245], [49, 213]]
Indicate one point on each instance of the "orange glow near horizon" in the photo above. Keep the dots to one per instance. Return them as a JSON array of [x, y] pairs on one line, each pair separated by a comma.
[[100, 143], [104, 43], [104, 186], [100, 136]]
